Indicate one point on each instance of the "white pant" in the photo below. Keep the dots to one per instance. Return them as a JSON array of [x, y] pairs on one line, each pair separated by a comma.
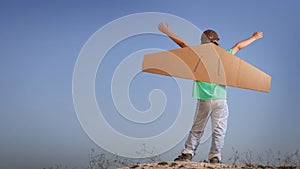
[[218, 111]]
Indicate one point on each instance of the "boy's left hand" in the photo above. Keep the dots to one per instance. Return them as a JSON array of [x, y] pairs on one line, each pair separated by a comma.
[[164, 28]]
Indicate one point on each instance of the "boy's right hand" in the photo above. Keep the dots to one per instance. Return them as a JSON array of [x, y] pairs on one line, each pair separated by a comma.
[[258, 35]]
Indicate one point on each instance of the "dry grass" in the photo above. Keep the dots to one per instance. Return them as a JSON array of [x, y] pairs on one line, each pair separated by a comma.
[[248, 160]]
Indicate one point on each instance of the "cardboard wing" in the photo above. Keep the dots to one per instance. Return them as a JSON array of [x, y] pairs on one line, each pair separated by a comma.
[[207, 63]]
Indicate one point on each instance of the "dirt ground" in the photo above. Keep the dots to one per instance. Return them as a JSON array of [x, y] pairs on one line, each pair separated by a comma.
[[197, 165]]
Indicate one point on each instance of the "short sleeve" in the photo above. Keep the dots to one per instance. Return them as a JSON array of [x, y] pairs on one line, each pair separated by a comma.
[[230, 51]]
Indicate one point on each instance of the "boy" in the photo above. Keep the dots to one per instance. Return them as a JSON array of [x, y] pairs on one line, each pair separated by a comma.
[[211, 101]]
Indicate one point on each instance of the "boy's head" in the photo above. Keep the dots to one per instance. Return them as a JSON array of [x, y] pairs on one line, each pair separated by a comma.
[[210, 36]]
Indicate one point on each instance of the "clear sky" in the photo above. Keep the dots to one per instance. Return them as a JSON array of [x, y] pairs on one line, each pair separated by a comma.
[[40, 42]]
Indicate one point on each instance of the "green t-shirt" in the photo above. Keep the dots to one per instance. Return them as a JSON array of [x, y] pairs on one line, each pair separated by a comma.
[[209, 91]]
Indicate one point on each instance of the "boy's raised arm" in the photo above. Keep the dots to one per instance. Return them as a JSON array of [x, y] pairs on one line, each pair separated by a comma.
[[240, 45], [166, 30]]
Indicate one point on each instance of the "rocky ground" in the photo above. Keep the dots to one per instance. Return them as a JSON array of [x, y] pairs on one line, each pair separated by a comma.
[[197, 165]]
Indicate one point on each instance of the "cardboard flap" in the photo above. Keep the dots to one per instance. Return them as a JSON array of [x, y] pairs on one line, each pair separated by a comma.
[[208, 63]]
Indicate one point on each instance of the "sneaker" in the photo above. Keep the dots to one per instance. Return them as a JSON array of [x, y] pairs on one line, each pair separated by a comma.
[[184, 157], [214, 160]]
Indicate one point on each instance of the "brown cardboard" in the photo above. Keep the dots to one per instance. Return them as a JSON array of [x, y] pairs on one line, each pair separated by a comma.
[[208, 63]]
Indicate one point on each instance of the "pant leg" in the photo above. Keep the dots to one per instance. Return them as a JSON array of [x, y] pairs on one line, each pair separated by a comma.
[[202, 113], [219, 118]]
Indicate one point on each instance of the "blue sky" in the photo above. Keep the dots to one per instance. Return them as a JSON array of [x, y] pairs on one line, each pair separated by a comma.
[[41, 40]]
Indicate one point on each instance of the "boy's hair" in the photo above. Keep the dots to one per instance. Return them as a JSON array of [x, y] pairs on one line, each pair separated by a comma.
[[210, 36]]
